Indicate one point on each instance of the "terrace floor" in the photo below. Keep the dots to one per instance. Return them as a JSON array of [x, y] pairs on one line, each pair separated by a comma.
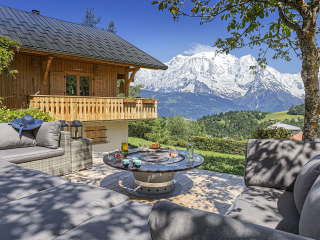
[[205, 190]]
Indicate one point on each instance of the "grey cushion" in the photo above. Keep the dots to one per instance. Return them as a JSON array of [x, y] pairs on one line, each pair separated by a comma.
[[48, 134], [267, 207], [171, 221], [22, 183], [126, 221], [9, 137], [310, 215], [20, 155], [52, 212], [276, 163], [6, 167], [306, 178]]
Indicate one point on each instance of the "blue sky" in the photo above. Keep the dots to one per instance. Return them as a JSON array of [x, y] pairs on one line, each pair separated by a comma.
[[143, 25]]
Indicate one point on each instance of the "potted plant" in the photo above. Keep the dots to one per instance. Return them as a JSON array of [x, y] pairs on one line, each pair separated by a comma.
[[149, 100]]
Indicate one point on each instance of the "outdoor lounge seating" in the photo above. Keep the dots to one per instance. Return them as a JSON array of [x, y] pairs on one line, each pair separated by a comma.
[[46, 149], [36, 205], [281, 201]]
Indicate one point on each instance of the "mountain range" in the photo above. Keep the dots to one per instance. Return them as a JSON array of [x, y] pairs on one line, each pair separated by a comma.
[[222, 77]]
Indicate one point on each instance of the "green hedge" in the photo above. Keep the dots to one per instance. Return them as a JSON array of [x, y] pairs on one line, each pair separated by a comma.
[[219, 145], [7, 115]]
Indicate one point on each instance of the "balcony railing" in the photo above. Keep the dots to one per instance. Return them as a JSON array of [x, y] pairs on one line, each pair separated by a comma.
[[71, 108]]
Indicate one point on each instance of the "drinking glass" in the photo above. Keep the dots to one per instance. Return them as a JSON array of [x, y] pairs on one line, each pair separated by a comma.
[[190, 150], [140, 146], [146, 146], [173, 153], [124, 146], [198, 156], [118, 154], [111, 156]]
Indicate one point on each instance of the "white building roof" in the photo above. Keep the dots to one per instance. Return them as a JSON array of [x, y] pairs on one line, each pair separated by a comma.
[[286, 126]]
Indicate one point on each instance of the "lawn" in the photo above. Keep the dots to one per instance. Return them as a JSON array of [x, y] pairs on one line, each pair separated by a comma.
[[218, 162], [281, 116]]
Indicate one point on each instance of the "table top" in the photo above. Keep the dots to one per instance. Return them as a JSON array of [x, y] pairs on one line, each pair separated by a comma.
[[164, 164]]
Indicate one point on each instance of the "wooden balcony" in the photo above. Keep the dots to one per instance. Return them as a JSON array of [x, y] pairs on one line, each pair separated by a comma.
[[71, 108]]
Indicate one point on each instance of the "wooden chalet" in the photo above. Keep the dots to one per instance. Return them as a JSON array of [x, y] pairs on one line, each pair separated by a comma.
[[71, 71]]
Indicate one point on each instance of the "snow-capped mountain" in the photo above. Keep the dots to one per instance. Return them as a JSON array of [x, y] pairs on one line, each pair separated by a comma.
[[228, 77]]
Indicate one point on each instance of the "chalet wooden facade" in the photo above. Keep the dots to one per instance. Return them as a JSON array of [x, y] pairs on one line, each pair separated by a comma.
[[71, 71]]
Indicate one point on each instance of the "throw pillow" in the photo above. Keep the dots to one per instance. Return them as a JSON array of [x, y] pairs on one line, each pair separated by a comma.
[[48, 134], [9, 138], [305, 179], [310, 220]]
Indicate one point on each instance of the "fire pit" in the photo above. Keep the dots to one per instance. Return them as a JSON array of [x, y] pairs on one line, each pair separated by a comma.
[[155, 177]]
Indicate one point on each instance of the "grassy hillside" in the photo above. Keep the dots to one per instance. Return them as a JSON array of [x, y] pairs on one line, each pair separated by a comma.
[[281, 116]]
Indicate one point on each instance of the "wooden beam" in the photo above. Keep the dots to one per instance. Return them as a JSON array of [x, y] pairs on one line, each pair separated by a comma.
[[46, 67], [130, 80], [82, 59], [132, 69]]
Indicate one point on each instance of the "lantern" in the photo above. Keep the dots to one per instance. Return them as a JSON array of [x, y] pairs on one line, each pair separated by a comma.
[[64, 125], [76, 129]]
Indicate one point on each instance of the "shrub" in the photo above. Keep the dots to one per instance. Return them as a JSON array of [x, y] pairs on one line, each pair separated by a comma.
[[7, 115], [179, 143], [219, 145], [272, 133]]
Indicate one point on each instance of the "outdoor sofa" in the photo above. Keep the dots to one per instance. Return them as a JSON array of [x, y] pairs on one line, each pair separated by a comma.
[[46, 149], [281, 200]]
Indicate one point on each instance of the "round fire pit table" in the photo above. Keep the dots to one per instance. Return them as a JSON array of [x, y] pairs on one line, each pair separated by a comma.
[[155, 177]]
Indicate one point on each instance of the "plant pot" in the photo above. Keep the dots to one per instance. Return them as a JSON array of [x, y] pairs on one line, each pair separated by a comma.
[[149, 101], [129, 101]]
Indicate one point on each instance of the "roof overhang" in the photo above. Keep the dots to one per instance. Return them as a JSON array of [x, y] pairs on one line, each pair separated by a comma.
[[45, 52]]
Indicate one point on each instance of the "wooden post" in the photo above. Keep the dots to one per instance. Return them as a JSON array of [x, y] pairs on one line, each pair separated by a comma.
[[46, 67], [133, 70]]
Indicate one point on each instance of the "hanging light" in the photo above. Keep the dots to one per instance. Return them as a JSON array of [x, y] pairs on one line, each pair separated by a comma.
[[76, 129], [64, 126]]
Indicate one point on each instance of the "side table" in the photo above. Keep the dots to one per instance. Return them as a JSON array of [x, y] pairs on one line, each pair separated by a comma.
[[81, 154]]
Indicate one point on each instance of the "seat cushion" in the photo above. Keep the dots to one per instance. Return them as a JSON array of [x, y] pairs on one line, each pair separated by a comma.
[[306, 178], [48, 134], [310, 215], [18, 184], [20, 155], [267, 207], [9, 137], [126, 221], [6, 167], [52, 212]]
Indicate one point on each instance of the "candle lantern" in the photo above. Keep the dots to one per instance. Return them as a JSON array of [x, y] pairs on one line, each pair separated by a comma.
[[64, 126], [76, 129]]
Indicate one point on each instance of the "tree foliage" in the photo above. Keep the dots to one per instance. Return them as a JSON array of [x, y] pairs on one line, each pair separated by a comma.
[[174, 130], [90, 19], [272, 133], [291, 25], [297, 110], [6, 55], [237, 125], [111, 27]]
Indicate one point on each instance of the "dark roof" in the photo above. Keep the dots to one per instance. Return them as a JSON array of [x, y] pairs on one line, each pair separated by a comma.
[[37, 32]]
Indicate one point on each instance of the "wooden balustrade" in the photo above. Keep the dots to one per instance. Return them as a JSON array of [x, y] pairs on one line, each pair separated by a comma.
[[71, 108]]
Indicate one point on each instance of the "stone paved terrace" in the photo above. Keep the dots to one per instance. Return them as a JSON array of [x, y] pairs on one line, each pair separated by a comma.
[[205, 190]]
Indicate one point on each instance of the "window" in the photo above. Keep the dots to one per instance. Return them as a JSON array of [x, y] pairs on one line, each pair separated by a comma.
[[84, 86], [71, 85], [77, 85]]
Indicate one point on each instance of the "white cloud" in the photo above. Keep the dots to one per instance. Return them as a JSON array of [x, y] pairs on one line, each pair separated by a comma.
[[198, 47]]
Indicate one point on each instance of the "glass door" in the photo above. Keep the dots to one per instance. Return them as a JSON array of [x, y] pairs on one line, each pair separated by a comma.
[[84, 86], [71, 85], [77, 85]]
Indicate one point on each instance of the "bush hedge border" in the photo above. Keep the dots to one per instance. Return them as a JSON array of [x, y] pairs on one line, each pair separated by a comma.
[[219, 145]]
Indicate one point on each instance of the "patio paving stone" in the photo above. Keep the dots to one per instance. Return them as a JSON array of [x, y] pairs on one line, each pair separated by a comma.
[[201, 189]]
